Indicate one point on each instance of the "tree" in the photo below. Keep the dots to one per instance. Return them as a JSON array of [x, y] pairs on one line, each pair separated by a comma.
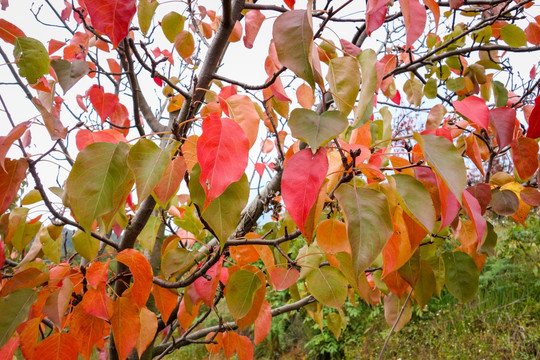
[[344, 202]]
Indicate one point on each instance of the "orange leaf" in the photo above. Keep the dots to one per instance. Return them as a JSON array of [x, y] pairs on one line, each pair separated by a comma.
[[230, 342], [149, 325], [8, 31], [126, 325], [28, 337], [263, 323], [96, 274], [170, 181], [59, 346], [245, 348], [332, 236], [89, 331], [96, 302], [218, 339], [7, 141], [184, 317], [165, 301], [242, 110], [244, 254], [142, 274], [305, 97]]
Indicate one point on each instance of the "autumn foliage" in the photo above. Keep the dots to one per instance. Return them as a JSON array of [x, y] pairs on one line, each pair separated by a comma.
[[189, 194]]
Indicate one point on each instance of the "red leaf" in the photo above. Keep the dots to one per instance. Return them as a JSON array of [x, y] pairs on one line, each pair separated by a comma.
[[456, 4], [525, 156], [112, 17], [375, 14], [8, 350], [302, 178], [263, 323], [2, 254], [120, 118], [8, 31], [222, 151], [104, 103], [224, 94], [534, 120], [126, 325], [170, 180], [85, 137], [532, 31], [482, 193], [504, 120], [283, 278], [350, 48], [7, 141], [474, 211], [244, 348], [254, 20], [88, 330], [414, 16], [158, 81], [142, 274], [207, 288], [290, 3], [259, 168], [10, 179], [474, 109], [59, 346], [449, 203]]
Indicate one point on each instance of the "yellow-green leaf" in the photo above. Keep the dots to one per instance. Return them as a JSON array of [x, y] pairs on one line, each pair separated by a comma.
[[171, 24], [32, 58], [314, 129], [328, 285], [344, 81], [145, 12], [364, 109], [240, 293]]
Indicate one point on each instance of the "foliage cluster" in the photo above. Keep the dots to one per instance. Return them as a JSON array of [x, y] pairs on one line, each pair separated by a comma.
[[162, 148]]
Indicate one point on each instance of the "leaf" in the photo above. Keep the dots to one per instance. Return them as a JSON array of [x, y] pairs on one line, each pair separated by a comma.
[[52, 122], [85, 137], [332, 236], [177, 260], [126, 325], [282, 278], [103, 103], [534, 120], [416, 200], [185, 319], [344, 81], [513, 35], [142, 274], [8, 351], [474, 109], [413, 90], [148, 163], [414, 17], [525, 156], [305, 97], [263, 323], [224, 212], [14, 308], [69, 73], [170, 181], [369, 224], [504, 202], [425, 285], [293, 39], [240, 292], [59, 346], [244, 348], [222, 151], [32, 58], [98, 182], [9, 32], [206, 286], [145, 12], [112, 17], [375, 13], [57, 303], [392, 311], [435, 10], [10, 180], [314, 129], [242, 110], [149, 323], [165, 301], [6, 141], [88, 330], [364, 109], [504, 120], [328, 285], [230, 342], [532, 32], [443, 156], [254, 20], [184, 43], [85, 245], [461, 275], [302, 178], [171, 24], [96, 302], [474, 211]]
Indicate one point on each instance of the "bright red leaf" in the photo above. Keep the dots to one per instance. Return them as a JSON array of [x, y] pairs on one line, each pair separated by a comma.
[[142, 274], [104, 103], [112, 17], [474, 109], [207, 288], [224, 94], [534, 120], [303, 175], [222, 151], [8, 31], [8, 350], [525, 156]]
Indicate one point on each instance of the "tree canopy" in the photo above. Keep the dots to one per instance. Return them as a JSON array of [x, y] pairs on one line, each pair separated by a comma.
[[365, 166]]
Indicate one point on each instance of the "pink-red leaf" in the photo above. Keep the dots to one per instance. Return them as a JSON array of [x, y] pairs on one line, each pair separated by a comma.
[[303, 175], [142, 274], [10, 179], [222, 151], [534, 120], [504, 120], [474, 109], [525, 156], [375, 14], [207, 288], [414, 16], [254, 20], [283, 278], [7, 141], [112, 17], [85, 137]]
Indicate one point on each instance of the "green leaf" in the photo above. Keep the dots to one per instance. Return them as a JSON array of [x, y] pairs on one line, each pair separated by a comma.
[[428, 253], [32, 58], [52, 248], [147, 237], [513, 35], [32, 197], [148, 162], [85, 245], [24, 232], [461, 275], [241, 289], [316, 130], [369, 224], [334, 322], [328, 285], [413, 88], [191, 222], [445, 159], [456, 84], [223, 213], [490, 240], [145, 12], [69, 73], [364, 109], [177, 261], [430, 89], [501, 93], [416, 200], [14, 309], [98, 182], [293, 38], [425, 285], [344, 81], [171, 24]]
